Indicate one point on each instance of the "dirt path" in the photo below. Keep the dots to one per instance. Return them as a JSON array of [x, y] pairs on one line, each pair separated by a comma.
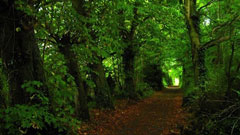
[[160, 114]]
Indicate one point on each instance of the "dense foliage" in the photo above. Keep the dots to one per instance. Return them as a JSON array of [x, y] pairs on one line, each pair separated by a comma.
[[59, 59]]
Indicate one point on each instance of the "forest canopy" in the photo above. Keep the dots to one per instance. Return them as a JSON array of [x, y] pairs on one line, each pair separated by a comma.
[[59, 59]]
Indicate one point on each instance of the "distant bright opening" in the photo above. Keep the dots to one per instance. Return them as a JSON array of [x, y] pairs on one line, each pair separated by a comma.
[[172, 73], [176, 82]]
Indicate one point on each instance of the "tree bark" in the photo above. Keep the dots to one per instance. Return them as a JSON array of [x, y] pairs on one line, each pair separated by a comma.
[[192, 20], [192, 17], [230, 93], [102, 90], [20, 53], [2, 99], [128, 58], [128, 61], [70, 57]]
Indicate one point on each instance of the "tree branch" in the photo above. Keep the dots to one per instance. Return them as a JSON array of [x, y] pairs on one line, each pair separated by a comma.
[[44, 40], [223, 38], [209, 3], [215, 42], [237, 17], [146, 18]]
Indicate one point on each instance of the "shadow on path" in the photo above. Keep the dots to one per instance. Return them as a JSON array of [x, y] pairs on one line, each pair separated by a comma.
[[160, 114]]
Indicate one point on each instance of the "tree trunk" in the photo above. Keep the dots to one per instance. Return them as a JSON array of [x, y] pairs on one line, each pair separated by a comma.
[[128, 58], [192, 20], [102, 90], [70, 57], [20, 53], [230, 93], [128, 61], [202, 69], [81, 107], [2, 99], [187, 76], [198, 51]]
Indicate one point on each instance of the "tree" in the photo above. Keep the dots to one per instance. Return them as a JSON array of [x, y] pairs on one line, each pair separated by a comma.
[[129, 38], [128, 57], [19, 52], [65, 47], [102, 90], [192, 17]]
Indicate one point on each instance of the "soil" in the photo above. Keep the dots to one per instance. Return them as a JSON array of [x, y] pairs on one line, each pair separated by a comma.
[[160, 114]]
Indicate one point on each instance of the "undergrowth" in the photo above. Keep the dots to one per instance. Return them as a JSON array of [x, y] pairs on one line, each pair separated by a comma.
[[213, 115]]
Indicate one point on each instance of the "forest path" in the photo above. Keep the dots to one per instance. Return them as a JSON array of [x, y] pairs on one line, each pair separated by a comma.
[[160, 114]]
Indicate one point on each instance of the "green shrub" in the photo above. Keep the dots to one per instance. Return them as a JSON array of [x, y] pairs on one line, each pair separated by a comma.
[[144, 90], [38, 118], [213, 114]]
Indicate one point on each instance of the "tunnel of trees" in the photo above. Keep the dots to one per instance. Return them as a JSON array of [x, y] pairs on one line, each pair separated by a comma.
[[61, 58]]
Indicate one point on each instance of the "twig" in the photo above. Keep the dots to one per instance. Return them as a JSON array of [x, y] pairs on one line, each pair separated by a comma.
[[235, 123], [237, 17], [209, 3]]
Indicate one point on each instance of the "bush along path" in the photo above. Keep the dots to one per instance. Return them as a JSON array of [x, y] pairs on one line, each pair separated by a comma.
[[160, 114]]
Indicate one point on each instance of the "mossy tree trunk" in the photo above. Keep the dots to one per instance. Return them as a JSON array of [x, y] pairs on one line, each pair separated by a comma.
[[128, 57], [65, 47], [20, 53], [192, 17], [230, 76], [128, 61], [187, 77], [102, 90]]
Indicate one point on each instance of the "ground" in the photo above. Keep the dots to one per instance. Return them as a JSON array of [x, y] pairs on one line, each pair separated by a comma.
[[160, 114]]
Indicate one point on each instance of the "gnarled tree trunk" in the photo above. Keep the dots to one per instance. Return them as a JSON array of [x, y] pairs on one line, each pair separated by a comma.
[[128, 58], [19, 52], [70, 57], [102, 90], [128, 61], [192, 19]]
